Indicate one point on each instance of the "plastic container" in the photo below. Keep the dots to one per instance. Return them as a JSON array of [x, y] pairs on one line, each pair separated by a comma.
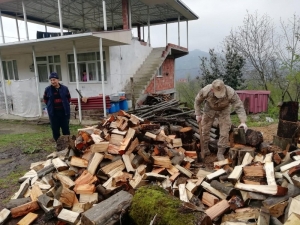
[[124, 105], [121, 94], [129, 103]]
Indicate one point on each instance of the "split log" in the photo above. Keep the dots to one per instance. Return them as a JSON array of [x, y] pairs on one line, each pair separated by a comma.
[[68, 216], [278, 209], [86, 178], [215, 174], [269, 168], [106, 169], [243, 215], [254, 171], [132, 146], [127, 163], [182, 193], [100, 147], [103, 213], [218, 209], [79, 162], [236, 174], [228, 191], [266, 189], [239, 136], [162, 161], [264, 217], [294, 219], [22, 190], [177, 159], [246, 195], [209, 199], [232, 155], [282, 142], [4, 216], [184, 171], [242, 153], [137, 161], [94, 163], [65, 196], [81, 207], [45, 170], [67, 182], [35, 192], [289, 166], [24, 209], [59, 164], [45, 200], [212, 190], [16, 202], [92, 198], [273, 200]]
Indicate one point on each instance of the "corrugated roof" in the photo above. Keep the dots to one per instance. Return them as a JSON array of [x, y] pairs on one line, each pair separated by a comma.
[[88, 14]]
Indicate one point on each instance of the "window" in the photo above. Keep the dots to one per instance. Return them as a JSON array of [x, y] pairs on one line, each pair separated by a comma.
[[89, 67], [159, 72], [10, 70], [47, 65]]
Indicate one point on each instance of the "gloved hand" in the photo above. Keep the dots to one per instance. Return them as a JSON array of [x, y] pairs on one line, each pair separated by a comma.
[[243, 125], [198, 118]]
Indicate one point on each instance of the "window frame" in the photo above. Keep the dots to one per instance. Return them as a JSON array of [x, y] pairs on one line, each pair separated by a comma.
[[160, 71], [96, 61], [48, 64], [14, 69]]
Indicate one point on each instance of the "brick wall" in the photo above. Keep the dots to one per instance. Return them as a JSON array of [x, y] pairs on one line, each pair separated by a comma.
[[125, 14], [166, 81]]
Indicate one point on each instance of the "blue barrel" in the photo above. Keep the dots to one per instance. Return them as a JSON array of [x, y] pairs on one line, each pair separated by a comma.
[[124, 105], [112, 108]]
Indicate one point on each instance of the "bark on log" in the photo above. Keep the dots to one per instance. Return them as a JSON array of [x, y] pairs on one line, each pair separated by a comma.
[[16, 202], [107, 211], [289, 111], [253, 138], [286, 128], [228, 191]]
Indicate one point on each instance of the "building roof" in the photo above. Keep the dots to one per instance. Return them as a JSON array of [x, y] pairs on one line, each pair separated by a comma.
[[87, 15]]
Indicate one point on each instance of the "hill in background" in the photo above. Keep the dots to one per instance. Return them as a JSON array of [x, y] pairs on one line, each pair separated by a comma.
[[189, 64]]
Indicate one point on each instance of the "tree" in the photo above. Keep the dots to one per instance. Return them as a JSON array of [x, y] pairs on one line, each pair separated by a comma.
[[234, 64], [255, 40], [211, 69]]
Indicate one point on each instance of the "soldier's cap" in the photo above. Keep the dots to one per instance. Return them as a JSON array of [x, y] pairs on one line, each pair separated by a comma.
[[219, 89]]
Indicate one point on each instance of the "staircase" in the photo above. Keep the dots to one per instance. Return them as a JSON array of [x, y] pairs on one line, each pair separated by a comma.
[[146, 72]]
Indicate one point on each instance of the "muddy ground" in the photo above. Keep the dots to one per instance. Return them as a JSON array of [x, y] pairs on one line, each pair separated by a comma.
[[14, 160]]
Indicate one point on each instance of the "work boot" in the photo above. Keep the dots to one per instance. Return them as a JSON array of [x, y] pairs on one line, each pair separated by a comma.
[[206, 150], [220, 154]]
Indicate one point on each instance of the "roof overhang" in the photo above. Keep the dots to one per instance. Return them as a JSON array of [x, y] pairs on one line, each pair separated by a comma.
[[65, 43]]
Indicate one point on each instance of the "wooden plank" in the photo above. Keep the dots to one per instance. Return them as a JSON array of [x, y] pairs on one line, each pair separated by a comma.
[[24, 209], [28, 219], [68, 216], [4, 216]]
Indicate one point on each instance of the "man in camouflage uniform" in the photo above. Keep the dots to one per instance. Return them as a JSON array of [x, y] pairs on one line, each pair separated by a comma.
[[218, 98]]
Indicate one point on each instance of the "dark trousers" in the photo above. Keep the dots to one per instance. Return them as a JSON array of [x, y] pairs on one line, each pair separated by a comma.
[[57, 121]]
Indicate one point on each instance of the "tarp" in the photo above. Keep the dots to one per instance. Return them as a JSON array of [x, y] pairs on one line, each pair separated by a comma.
[[22, 98]]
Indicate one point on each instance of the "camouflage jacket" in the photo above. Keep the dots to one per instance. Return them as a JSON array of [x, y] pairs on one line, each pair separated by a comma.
[[219, 106]]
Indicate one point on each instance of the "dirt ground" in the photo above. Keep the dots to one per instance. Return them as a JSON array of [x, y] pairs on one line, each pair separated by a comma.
[[12, 159]]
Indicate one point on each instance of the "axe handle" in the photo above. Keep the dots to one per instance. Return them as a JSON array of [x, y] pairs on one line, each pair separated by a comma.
[[79, 93], [201, 142]]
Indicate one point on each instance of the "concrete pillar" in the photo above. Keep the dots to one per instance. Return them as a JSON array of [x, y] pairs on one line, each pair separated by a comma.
[[25, 20], [37, 81], [2, 30], [60, 18], [3, 84], [102, 75], [77, 80], [149, 36], [125, 14], [104, 15]]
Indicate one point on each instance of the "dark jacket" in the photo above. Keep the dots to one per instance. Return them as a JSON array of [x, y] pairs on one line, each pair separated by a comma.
[[64, 93]]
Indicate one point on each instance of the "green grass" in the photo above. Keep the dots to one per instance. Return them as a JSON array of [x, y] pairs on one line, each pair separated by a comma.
[[36, 139]]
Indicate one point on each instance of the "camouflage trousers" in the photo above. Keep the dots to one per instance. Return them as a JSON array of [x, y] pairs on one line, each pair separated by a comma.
[[224, 125]]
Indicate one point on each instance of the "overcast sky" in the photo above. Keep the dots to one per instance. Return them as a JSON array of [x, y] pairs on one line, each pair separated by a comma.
[[216, 19]]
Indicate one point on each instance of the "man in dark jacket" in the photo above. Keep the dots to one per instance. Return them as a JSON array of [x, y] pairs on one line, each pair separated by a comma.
[[57, 98]]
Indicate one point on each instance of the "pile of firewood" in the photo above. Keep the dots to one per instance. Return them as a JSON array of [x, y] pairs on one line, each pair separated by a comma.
[[94, 179]]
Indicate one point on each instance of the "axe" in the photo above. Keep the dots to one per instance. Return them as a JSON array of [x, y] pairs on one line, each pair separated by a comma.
[[84, 99]]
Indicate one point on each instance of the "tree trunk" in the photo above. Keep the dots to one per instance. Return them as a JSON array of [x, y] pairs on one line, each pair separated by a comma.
[[286, 129], [289, 111]]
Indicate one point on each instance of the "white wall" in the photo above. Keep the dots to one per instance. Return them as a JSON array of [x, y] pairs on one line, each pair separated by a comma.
[[124, 62], [121, 63]]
